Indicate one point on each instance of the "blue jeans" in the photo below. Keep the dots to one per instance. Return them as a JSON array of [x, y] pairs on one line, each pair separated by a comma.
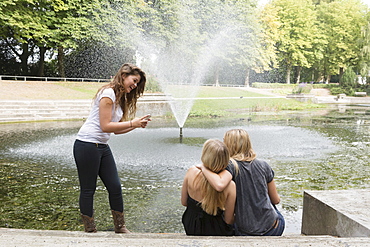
[[93, 160], [276, 231], [279, 229]]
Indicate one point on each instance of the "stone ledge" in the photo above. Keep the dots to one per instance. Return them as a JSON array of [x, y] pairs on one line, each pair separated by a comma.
[[41, 110], [342, 213], [40, 238]]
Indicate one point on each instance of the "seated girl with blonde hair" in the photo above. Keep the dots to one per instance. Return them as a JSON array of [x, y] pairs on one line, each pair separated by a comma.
[[255, 210], [208, 212]]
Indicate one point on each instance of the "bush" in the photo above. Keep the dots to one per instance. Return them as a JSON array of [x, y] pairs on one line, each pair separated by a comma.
[[348, 90], [302, 88], [272, 85], [348, 77], [337, 90], [152, 85]]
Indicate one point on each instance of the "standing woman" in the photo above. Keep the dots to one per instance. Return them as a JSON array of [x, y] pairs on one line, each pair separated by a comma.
[[113, 111], [208, 212]]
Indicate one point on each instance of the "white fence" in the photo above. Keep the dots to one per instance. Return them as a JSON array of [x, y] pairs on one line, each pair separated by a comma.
[[37, 78]]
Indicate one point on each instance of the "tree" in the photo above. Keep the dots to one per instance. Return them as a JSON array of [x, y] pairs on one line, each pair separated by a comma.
[[342, 29], [364, 43], [249, 45], [230, 29], [297, 34], [194, 40], [19, 25], [96, 60], [268, 37], [170, 35], [52, 25], [119, 36], [8, 61]]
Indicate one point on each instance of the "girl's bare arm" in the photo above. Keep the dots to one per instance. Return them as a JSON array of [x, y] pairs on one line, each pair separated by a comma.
[[217, 181], [273, 194], [230, 203], [184, 191]]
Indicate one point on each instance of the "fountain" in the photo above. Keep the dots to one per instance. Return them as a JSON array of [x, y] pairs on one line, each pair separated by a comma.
[[187, 62], [181, 135], [182, 88]]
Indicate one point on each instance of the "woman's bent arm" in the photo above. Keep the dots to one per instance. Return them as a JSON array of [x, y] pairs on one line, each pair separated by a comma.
[[217, 181], [230, 203], [273, 194], [106, 124]]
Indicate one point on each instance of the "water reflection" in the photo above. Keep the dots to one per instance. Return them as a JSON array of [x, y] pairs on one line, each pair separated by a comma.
[[39, 184]]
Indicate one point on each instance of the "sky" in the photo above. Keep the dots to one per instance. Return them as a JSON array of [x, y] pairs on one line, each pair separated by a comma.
[[364, 1]]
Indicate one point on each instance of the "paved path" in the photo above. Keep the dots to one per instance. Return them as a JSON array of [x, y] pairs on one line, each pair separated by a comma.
[[33, 238]]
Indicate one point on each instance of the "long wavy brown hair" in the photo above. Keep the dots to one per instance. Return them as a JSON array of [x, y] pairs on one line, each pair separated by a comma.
[[127, 101], [215, 157]]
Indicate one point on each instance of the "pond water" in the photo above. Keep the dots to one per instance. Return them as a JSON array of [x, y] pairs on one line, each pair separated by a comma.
[[322, 150]]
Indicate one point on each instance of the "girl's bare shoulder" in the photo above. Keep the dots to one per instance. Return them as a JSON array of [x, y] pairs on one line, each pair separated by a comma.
[[194, 170], [231, 187]]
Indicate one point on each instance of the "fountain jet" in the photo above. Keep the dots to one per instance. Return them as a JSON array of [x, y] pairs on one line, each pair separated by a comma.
[[180, 134]]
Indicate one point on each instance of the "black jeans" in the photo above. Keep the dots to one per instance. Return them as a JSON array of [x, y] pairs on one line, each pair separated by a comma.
[[95, 160]]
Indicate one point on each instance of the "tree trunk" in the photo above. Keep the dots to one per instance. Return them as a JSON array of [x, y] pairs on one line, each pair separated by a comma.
[[320, 79], [341, 72], [61, 69], [313, 76], [327, 79], [246, 82], [24, 59], [217, 74], [298, 70], [41, 62], [288, 70]]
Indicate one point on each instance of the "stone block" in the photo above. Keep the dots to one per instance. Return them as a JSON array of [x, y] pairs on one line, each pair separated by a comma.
[[342, 213]]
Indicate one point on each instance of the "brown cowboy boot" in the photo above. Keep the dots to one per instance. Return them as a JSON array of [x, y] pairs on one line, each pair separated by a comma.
[[119, 222], [89, 223]]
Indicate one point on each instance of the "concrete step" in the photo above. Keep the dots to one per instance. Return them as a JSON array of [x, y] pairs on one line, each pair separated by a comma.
[[19, 104], [45, 102], [53, 118], [44, 111], [40, 110], [44, 108], [18, 237]]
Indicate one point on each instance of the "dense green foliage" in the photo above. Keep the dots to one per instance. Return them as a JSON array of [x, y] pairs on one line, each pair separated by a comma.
[[229, 42], [349, 89]]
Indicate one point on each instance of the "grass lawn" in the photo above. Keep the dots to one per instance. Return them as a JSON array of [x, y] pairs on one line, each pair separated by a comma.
[[226, 107], [214, 108], [242, 105], [205, 92]]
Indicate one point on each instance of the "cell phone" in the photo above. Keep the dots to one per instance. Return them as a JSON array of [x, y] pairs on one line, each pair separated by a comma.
[[148, 116]]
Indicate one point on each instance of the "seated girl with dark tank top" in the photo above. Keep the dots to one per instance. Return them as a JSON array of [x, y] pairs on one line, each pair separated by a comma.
[[208, 212]]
